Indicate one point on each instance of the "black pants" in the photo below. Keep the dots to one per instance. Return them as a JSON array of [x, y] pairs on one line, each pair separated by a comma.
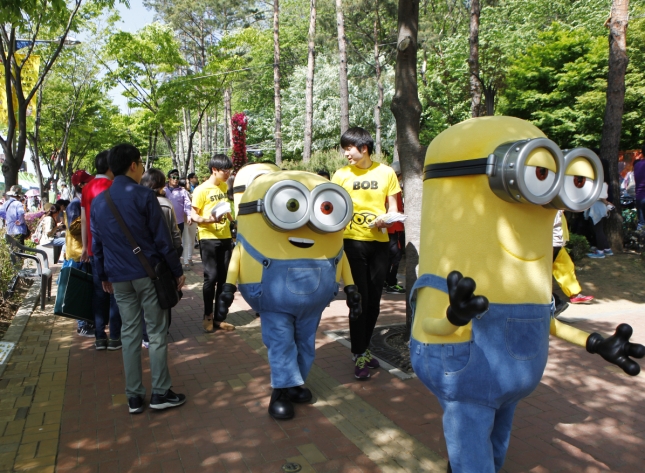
[[601, 239], [397, 240], [369, 262], [216, 255], [181, 230]]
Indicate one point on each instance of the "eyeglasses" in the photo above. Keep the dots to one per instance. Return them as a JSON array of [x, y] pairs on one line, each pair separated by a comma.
[[225, 171], [174, 176]]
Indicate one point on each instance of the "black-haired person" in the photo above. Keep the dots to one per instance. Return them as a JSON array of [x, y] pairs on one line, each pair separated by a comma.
[[193, 182], [215, 242], [106, 310], [180, 199], [154, 179], [373, 188], [121, 273]]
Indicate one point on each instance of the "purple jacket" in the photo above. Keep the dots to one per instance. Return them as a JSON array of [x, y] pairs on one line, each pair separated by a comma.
[[639, 176], [180, 201]]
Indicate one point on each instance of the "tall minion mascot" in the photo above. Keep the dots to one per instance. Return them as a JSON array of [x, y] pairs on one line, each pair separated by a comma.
[[287, 263], [491, 189]]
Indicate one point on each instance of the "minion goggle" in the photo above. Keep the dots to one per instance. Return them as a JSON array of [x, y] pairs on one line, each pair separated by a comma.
[[289, 205], [518, 173]]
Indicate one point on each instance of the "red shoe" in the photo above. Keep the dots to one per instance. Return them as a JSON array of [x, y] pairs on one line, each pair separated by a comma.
[[580, 299]]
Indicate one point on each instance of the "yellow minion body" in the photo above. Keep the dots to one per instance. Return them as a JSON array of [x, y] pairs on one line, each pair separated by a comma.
[[505, 247], [298, 243]]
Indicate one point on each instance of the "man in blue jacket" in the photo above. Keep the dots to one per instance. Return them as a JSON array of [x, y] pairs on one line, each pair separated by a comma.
[[122, 273]]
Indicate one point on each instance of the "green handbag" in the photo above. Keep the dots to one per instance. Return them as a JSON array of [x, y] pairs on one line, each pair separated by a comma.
[[75, 289]]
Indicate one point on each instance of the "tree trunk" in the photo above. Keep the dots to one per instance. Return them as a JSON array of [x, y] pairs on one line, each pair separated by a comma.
[[406, 108], [379, 84], [215, 143], [149, 153], [342, 76], [154, 147], [610, 142], [276, 81], [473, 60], [309, 92], [489, 97], [228, 138]]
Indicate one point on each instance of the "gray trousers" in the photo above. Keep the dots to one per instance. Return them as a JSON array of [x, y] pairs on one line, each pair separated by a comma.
[[131, 297]]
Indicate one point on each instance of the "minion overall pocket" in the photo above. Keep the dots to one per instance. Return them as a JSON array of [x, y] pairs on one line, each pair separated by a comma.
[[525, 337], [303, 281]]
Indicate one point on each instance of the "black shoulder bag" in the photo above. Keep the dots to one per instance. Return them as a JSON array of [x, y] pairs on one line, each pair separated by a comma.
[[163, 279]]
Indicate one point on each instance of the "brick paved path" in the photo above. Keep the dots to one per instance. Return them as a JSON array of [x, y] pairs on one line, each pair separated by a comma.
[[62, 406]]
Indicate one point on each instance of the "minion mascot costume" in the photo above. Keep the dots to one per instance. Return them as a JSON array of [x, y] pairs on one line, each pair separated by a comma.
[[491, 189], [245, 176], [288, 261]]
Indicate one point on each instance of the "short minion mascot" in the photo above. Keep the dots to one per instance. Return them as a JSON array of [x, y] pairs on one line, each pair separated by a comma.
[[491, 189], [246, 175], [288, 261]]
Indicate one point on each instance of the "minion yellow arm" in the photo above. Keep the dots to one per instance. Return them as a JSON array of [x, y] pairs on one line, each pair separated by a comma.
[[434, 321], [569, 333], [345, 271], [439, 327], [234, 266]]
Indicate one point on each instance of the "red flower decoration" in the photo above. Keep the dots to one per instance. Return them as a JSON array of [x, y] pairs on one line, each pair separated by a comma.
[[238, 125]]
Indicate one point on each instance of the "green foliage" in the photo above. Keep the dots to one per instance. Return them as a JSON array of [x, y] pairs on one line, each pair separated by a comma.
[[7, 270], [329, 160], [577, 246]]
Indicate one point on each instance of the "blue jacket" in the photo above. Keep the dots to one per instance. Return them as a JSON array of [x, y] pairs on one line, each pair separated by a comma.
[[113, 257]]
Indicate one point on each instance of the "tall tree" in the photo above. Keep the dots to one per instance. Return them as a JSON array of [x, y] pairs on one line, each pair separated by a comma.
[[276, 81], [342, 65], [33, 20], [309, 93], [379, 83], [610, 142], [473, 60], [406, 108]]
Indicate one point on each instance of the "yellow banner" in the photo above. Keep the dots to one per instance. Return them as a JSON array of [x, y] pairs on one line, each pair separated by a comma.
[[29, 78]]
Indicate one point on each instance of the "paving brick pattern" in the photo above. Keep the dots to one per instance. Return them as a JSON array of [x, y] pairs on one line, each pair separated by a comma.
[[62, 406]]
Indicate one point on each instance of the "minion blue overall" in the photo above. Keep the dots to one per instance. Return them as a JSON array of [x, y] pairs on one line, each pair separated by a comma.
[[481, 355], [288, 262]]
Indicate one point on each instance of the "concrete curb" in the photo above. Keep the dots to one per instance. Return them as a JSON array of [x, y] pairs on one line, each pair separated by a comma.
[[18, 324]]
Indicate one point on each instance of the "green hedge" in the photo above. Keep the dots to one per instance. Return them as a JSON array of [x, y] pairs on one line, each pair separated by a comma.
[[7, 271]]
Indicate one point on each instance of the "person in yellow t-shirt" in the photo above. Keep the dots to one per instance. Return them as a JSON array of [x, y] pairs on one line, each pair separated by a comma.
[[373, 188], [215, 243]]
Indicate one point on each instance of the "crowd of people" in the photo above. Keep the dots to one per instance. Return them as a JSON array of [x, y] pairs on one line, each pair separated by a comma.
[[173, 216]]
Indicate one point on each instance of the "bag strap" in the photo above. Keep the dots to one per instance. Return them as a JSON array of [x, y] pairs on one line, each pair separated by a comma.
[[136, 249]]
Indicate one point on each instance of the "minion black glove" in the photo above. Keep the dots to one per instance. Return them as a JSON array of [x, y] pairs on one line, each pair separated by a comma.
[[464, 306], [617, 349]]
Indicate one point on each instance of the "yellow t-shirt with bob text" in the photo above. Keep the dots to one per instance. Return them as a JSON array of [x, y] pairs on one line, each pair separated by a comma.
[[368, 189], [205, 197]]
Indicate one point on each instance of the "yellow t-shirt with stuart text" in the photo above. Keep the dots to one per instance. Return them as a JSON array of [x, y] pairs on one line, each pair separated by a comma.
[[368, 189], [205, 197]]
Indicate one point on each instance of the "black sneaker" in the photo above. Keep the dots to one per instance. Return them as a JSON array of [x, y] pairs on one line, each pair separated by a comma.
[[114, 344], [164, 401], [85, 332], [396, 289], [101, 344], [135, 405]]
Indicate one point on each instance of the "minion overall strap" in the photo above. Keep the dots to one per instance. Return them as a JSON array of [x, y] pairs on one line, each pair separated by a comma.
[[255, 254], [266, 262], [427, 280]]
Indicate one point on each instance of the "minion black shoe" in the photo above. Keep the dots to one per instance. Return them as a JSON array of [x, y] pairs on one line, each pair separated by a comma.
[[299, 394], [280, 406]]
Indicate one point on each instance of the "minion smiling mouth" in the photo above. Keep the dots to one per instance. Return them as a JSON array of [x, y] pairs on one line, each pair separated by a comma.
[[529, 260], [301, 242]]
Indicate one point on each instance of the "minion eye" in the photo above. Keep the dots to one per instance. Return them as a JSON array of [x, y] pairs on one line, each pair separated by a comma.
[[286, 205], [331, 208], [539, 180], [293, 205], [582, 180]]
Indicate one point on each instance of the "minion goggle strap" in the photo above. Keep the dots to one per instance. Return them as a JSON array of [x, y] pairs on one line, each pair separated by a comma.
[[289, 205], [570, 182]]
